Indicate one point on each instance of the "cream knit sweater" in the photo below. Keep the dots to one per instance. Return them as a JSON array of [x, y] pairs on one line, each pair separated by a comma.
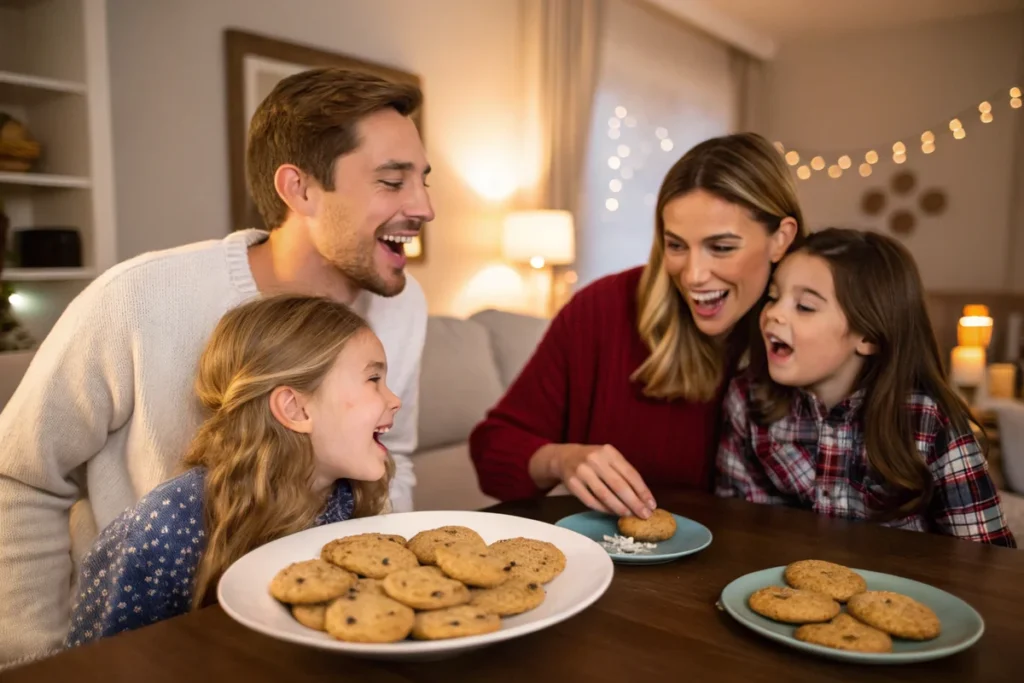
[[106, 410]]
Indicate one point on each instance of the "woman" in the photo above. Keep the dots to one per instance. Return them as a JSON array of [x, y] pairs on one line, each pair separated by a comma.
[[625, 386]]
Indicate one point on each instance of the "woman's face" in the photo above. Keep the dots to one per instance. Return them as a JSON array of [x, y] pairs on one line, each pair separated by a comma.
[[719, 257]]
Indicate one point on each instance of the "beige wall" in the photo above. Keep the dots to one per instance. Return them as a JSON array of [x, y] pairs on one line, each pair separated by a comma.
[[859, 91], [168, 91]]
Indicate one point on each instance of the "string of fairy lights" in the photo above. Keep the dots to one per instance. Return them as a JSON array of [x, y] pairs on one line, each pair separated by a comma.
[[868, 159]]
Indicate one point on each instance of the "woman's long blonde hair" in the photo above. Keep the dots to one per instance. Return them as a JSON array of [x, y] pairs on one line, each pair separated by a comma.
[[258, 472], [746, 170]]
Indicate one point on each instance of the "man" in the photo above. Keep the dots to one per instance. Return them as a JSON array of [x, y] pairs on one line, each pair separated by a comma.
[[105, 412]]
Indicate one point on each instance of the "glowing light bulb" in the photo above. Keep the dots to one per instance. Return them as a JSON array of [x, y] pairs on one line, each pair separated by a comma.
[[818, 163], [615, 185], [871, 157], [865, 170], [792, 158], [614, 162], [612, 204], [845, 162], [804, 172], [834, 171]]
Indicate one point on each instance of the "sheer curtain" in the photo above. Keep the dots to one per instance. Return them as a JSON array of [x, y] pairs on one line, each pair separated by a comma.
[[662, 87]]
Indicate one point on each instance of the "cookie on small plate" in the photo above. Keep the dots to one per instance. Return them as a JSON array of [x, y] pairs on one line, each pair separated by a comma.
[[845, 633], [793, 606], [472, 565], [425, 544], [834, 580], [530, 559], [425, 588], [368, 618], [515, 596], [896, 614], [454, 622], [373, 558], [660, 526], [310, 581]]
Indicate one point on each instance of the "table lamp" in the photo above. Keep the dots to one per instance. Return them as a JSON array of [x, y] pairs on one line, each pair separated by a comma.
[[542, 238], [968, 360]]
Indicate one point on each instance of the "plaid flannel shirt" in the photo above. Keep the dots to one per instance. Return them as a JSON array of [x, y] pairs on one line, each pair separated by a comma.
[[816, 459]]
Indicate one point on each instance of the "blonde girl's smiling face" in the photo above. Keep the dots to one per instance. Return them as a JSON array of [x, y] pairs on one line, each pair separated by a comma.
[[346, 415]]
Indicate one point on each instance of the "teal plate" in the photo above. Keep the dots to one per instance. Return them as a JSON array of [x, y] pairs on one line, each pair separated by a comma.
[[962, 626], [691, 537]]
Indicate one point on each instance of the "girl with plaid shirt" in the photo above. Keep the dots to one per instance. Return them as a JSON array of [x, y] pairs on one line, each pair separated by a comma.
[[845, 408]]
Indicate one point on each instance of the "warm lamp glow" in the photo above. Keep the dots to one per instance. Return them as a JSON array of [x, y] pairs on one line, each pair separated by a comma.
[[544, 235], [975, 327]]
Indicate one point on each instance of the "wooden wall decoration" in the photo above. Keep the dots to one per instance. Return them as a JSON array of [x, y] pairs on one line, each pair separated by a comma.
[[903, 220]]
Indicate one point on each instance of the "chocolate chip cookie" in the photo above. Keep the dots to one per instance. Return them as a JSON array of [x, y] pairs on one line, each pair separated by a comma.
[[425, 588], [425, 544], [454, 622], [896, 614], [515, 596], [368, 618], [473, 565], [660, 526], [834, 580], [845, 633], [310, 581], [793, 606], [530, 559]]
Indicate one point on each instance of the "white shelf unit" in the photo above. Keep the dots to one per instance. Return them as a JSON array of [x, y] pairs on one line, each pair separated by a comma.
[[54, 78]]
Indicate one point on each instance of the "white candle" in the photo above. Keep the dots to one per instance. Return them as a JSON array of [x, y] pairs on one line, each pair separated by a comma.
[[967, 366], [1001, 378]]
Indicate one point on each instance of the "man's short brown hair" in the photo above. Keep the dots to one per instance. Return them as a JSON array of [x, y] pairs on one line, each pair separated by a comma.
[[309, 120]]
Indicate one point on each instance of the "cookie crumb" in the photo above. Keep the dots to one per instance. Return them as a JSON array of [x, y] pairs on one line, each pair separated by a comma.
[[620, 544]]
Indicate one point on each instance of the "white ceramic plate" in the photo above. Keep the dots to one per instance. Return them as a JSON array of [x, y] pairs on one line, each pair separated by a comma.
[[243, 591]]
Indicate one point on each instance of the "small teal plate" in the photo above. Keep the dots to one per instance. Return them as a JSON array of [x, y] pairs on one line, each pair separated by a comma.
[[691, 537], [962, 626]]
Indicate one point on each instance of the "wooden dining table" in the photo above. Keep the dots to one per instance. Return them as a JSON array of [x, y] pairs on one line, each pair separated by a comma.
[[654, 623]]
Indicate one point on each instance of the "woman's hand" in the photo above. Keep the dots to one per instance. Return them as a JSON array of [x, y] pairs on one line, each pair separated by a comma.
[[598, 475]]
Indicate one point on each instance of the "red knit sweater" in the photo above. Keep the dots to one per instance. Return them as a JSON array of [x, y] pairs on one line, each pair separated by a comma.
[[577, 389]]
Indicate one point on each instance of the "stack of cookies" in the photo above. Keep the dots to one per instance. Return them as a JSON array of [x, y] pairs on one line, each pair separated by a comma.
[[813, 597], [442, 583]]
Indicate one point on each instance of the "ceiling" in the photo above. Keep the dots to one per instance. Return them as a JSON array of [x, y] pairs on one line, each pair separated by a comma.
[[779, 20]]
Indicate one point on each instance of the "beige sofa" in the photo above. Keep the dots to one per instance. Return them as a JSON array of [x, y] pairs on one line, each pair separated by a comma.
[[467, 364]]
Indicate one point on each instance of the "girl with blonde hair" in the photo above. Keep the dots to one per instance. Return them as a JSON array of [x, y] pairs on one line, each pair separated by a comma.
[[295, 398], [625, 387]]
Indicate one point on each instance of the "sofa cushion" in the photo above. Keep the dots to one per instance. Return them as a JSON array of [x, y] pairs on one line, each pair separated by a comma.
[[514, 337], [446, 480], [459, 381]]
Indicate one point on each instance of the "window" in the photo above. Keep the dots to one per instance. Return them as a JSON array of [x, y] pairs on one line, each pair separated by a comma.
[[662, 88]]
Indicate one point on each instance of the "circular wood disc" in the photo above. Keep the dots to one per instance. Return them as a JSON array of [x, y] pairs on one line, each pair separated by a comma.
[[933, 202], [903, 182], [873, 202], [902, 222]]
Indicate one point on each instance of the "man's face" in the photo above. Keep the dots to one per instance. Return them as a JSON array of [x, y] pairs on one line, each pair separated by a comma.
[[378, 204]]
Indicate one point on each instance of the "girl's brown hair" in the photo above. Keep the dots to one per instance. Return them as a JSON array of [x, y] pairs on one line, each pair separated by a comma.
[[258, 472], [743, 169], [879, 290]]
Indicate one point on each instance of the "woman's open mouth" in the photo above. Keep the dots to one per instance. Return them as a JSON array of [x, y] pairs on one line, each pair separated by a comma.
[[709, 304]]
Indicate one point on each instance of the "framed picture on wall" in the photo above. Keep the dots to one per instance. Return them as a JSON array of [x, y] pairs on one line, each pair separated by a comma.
[[255, 64]]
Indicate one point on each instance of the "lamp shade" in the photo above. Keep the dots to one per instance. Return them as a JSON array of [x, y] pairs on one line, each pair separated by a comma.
[[975, 327], [547, 235]]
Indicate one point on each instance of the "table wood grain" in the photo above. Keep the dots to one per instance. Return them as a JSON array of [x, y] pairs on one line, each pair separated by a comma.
[[655, 623]]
